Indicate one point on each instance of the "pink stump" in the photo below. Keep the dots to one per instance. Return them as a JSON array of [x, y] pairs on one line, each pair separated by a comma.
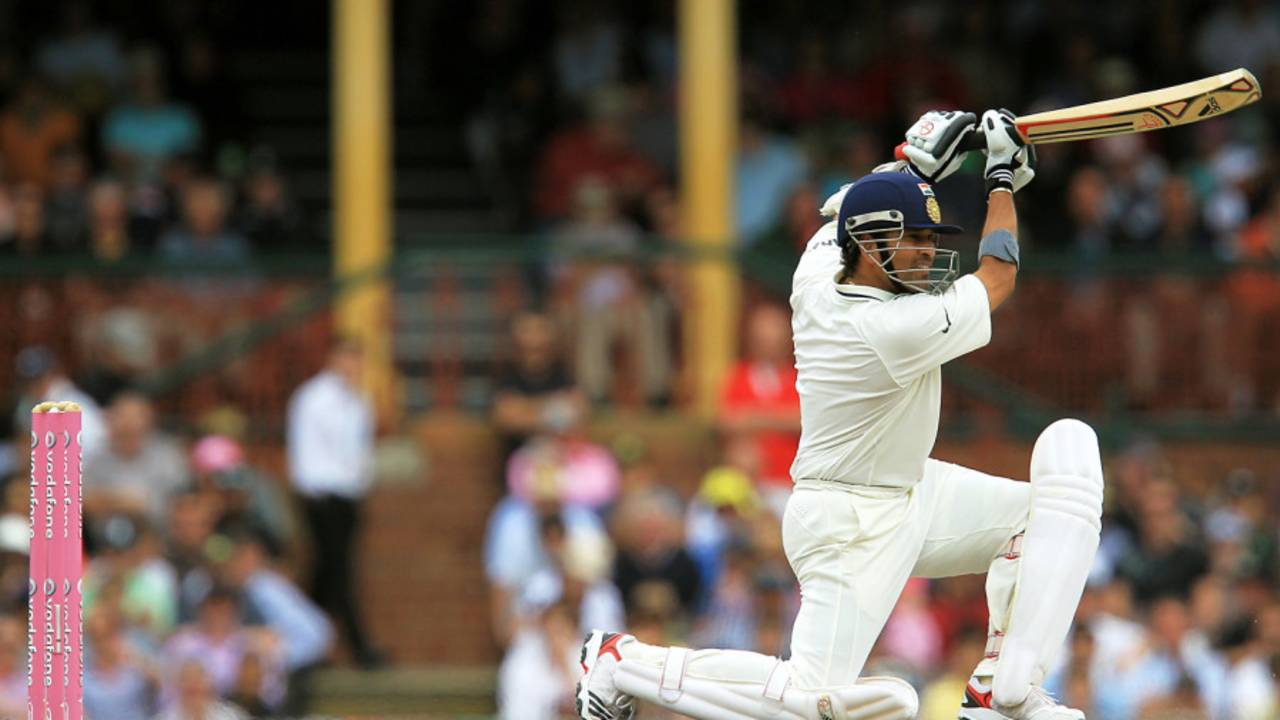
[[55, 668]]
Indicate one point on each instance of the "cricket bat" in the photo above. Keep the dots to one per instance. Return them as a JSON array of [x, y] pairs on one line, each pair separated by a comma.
[[1178, 105]]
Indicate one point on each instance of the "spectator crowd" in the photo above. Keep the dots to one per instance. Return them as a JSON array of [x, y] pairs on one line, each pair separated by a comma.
[[572, 110], [196, 555], [1181, 613], [191, 604], [118, 147]]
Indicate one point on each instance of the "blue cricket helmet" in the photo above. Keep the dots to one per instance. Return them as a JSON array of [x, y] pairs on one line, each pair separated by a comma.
[[877, 211], [889, 201]]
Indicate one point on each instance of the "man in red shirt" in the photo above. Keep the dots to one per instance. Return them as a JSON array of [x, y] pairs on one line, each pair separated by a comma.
[[601, 147], [759, 399]]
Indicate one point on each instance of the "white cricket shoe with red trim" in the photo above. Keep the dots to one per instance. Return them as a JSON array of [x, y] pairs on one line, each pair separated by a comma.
[[1039, 705], [598, 698]]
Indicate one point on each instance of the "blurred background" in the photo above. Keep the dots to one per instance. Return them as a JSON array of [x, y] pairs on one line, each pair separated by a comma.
[[416, 338]]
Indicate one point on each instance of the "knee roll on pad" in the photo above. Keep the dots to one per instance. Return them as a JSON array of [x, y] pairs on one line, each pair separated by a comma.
[[905, 701], [1066, 472]]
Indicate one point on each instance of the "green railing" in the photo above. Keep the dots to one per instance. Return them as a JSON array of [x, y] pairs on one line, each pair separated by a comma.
[[1025, 410]]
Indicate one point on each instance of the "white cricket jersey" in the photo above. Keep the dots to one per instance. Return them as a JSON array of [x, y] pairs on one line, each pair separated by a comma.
[[869, 368]]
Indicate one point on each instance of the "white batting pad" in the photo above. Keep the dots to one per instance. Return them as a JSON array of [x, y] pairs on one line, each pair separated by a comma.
[[1057, 551], [736, 685]]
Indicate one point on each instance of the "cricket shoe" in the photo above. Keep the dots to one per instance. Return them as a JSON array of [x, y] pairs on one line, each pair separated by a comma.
[[598, 698], [1039, 705]]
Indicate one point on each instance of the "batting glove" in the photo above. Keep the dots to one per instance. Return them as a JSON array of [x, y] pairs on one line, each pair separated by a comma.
[[933, 143], [1003, 144], [1024, 166]]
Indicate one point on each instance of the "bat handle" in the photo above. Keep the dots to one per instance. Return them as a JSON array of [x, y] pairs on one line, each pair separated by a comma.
[[975, 140]]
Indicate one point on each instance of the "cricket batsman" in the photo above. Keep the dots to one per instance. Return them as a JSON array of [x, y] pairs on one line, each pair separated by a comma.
[[876, 311]]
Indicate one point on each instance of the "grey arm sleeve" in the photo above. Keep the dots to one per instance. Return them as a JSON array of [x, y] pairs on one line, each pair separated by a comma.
[[1001, 245]]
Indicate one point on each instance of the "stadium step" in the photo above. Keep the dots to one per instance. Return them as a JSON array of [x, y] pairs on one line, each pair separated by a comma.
[[446, 692]]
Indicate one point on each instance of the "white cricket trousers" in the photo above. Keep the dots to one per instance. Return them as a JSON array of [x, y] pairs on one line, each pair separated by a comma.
[[854, 547]]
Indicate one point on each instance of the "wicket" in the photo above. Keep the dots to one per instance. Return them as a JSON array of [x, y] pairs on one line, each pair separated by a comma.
[[55, 653]]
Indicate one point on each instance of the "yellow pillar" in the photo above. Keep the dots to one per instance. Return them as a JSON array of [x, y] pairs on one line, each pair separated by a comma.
[[362, 183], [708, 139]]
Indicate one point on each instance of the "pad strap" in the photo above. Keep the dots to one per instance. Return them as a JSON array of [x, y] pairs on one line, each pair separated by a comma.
[[995, 642], [672, 685]]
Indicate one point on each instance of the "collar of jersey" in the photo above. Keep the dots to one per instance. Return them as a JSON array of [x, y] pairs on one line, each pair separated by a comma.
[[862, 292]]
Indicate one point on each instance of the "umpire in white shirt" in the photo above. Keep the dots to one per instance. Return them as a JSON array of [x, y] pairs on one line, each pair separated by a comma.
[[330, 439]]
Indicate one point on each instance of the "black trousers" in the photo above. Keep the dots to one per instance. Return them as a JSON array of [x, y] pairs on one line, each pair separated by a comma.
[[334, 521]]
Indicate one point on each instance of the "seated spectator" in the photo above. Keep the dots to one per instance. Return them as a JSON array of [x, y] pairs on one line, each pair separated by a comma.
[[1240, 685], [785, 241], [730, 620], [525, 533], [600, 147], [240, 494], [140, 135], [651, 557], [1182, 231], [203, 237], [535, 391], [196, 697], [130, 560], [759, 402], [189, 532], [574, 469], [269, 218], [66, 211], [769, 167], [138, 469], [539, 671], [1168, 556], [1183, 703], [33, 128], [1091, 227], [118, 684], [605, 295], [1241, 542], [719, 517], [29, 235], [579, 575], [84, 60], [110, 238], [43, 380], [303, 634], [219, 642]]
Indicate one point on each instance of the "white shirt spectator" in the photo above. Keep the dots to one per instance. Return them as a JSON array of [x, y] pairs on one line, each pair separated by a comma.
[[513, 552], [529, 686], [330, 438], [303, 629]]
